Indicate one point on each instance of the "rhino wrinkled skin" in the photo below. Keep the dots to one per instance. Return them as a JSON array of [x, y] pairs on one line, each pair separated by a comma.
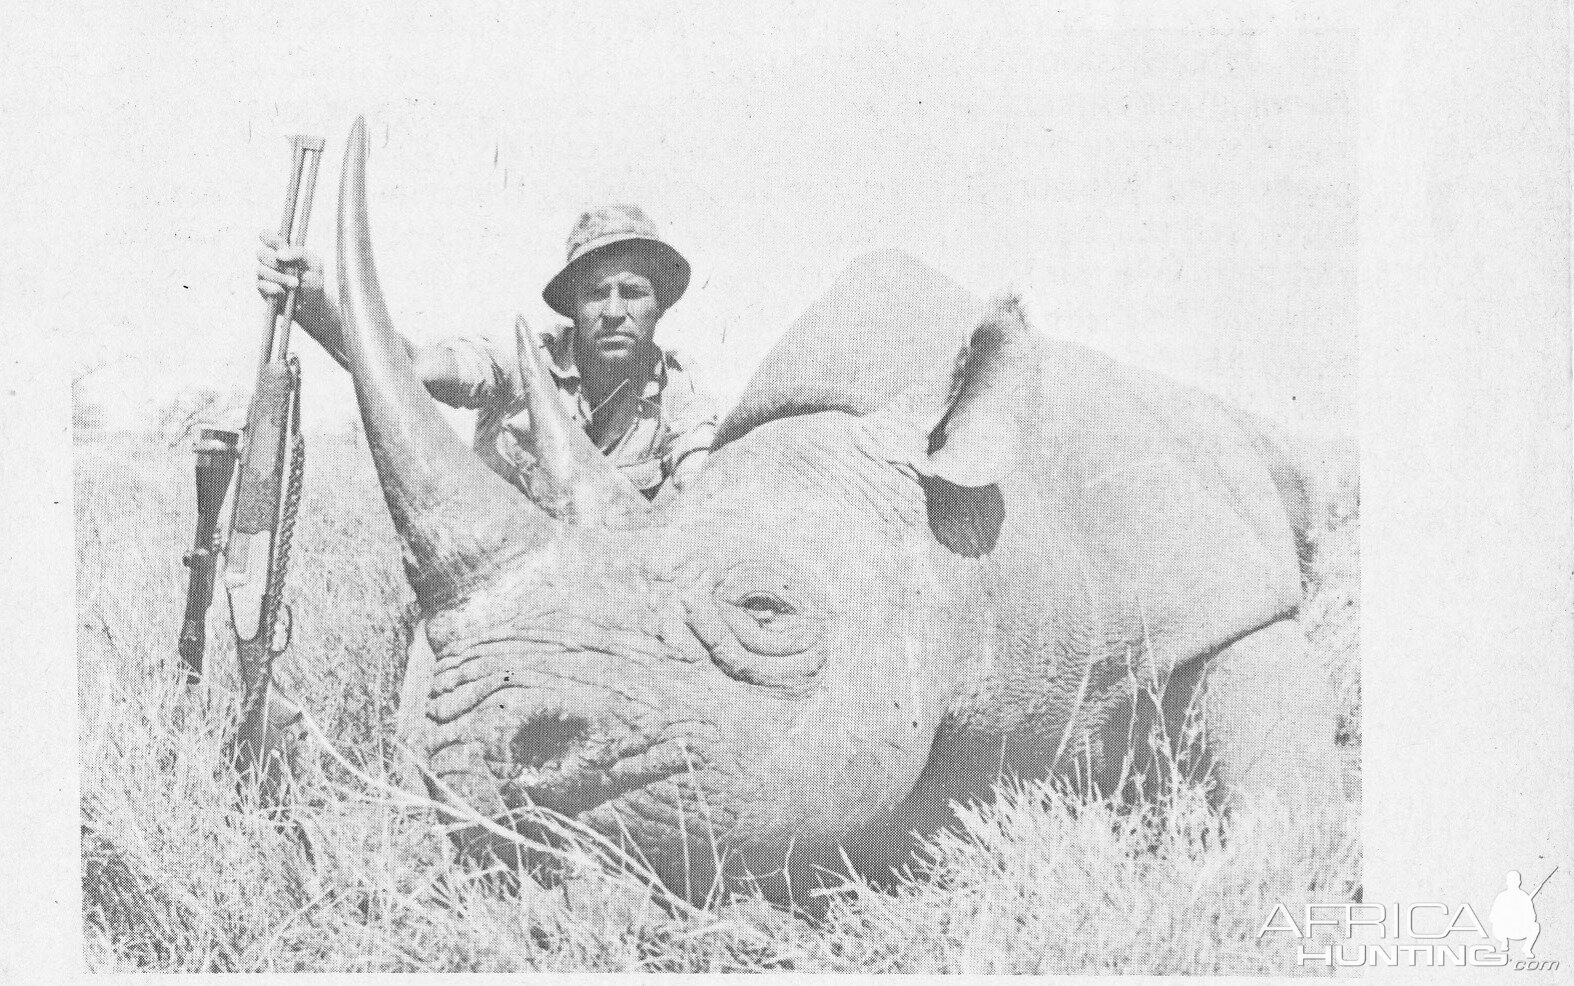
[[931, 549]]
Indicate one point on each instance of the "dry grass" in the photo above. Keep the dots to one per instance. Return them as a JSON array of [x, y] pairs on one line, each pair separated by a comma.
[[176, 878]]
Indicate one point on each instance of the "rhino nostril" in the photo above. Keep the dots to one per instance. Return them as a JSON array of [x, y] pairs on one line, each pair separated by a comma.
[[546, 738]]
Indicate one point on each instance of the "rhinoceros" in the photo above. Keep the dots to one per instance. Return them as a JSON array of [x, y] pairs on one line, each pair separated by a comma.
[[931, 549]]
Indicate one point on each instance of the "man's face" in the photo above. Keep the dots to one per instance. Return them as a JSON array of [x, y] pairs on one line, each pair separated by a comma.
[[615, 310]]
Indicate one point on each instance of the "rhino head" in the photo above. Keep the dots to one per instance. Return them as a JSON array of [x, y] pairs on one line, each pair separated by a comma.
[[744, 682]]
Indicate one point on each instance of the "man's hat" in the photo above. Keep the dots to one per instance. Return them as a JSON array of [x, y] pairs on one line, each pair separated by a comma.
[[618, 226]]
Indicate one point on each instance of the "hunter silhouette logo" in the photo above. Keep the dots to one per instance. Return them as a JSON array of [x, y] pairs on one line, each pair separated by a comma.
[[1513, 915], [1417, 935]]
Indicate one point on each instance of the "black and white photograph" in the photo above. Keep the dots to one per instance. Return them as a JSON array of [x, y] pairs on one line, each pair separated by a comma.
[[859, 489]]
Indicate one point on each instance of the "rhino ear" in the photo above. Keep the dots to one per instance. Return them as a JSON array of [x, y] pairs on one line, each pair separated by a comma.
[[970, 417]]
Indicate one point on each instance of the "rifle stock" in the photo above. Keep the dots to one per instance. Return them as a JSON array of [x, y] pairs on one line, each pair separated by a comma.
[[258, 555]]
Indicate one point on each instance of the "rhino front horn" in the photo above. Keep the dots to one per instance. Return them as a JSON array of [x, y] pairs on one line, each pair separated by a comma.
[[456, 518]]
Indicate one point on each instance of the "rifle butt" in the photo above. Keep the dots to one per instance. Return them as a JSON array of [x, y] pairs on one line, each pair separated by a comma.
[[260, 747]]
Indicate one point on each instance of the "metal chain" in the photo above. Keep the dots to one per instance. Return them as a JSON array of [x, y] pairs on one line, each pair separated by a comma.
[[290, 507]]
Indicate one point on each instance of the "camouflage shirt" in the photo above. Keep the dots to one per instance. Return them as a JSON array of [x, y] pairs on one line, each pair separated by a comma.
[[645, 435]]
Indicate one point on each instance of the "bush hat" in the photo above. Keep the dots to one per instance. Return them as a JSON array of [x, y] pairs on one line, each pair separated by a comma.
[[625, 227]]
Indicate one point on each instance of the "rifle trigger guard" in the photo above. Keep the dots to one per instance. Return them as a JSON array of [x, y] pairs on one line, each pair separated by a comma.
[[288, 622]]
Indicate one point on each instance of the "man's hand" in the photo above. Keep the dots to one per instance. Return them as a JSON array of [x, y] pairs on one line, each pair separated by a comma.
[[687, 468], [281, 267]]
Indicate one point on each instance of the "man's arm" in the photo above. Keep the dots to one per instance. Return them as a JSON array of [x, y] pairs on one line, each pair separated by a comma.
[[448, 377], [281, 267]]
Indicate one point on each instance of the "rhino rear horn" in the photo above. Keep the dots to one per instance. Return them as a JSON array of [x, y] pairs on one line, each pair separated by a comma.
[[568, 477], [456, 518]]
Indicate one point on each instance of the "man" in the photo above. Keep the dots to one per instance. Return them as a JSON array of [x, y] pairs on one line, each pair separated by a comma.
[[638, 403]]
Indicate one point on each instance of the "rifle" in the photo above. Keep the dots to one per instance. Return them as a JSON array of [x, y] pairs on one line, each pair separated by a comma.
[[262, 521]]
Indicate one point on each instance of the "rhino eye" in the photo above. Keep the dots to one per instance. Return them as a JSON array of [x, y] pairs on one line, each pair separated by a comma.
[[765, 607], [772, 620]]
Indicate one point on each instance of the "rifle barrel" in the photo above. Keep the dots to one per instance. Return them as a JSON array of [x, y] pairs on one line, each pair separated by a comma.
[[306, 153], [292, 192], [312, 147]]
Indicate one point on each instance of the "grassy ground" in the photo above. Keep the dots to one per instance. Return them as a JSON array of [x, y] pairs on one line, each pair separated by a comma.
[[178, 879]]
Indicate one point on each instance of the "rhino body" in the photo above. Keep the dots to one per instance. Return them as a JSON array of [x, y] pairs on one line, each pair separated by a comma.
[[932, 549]]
